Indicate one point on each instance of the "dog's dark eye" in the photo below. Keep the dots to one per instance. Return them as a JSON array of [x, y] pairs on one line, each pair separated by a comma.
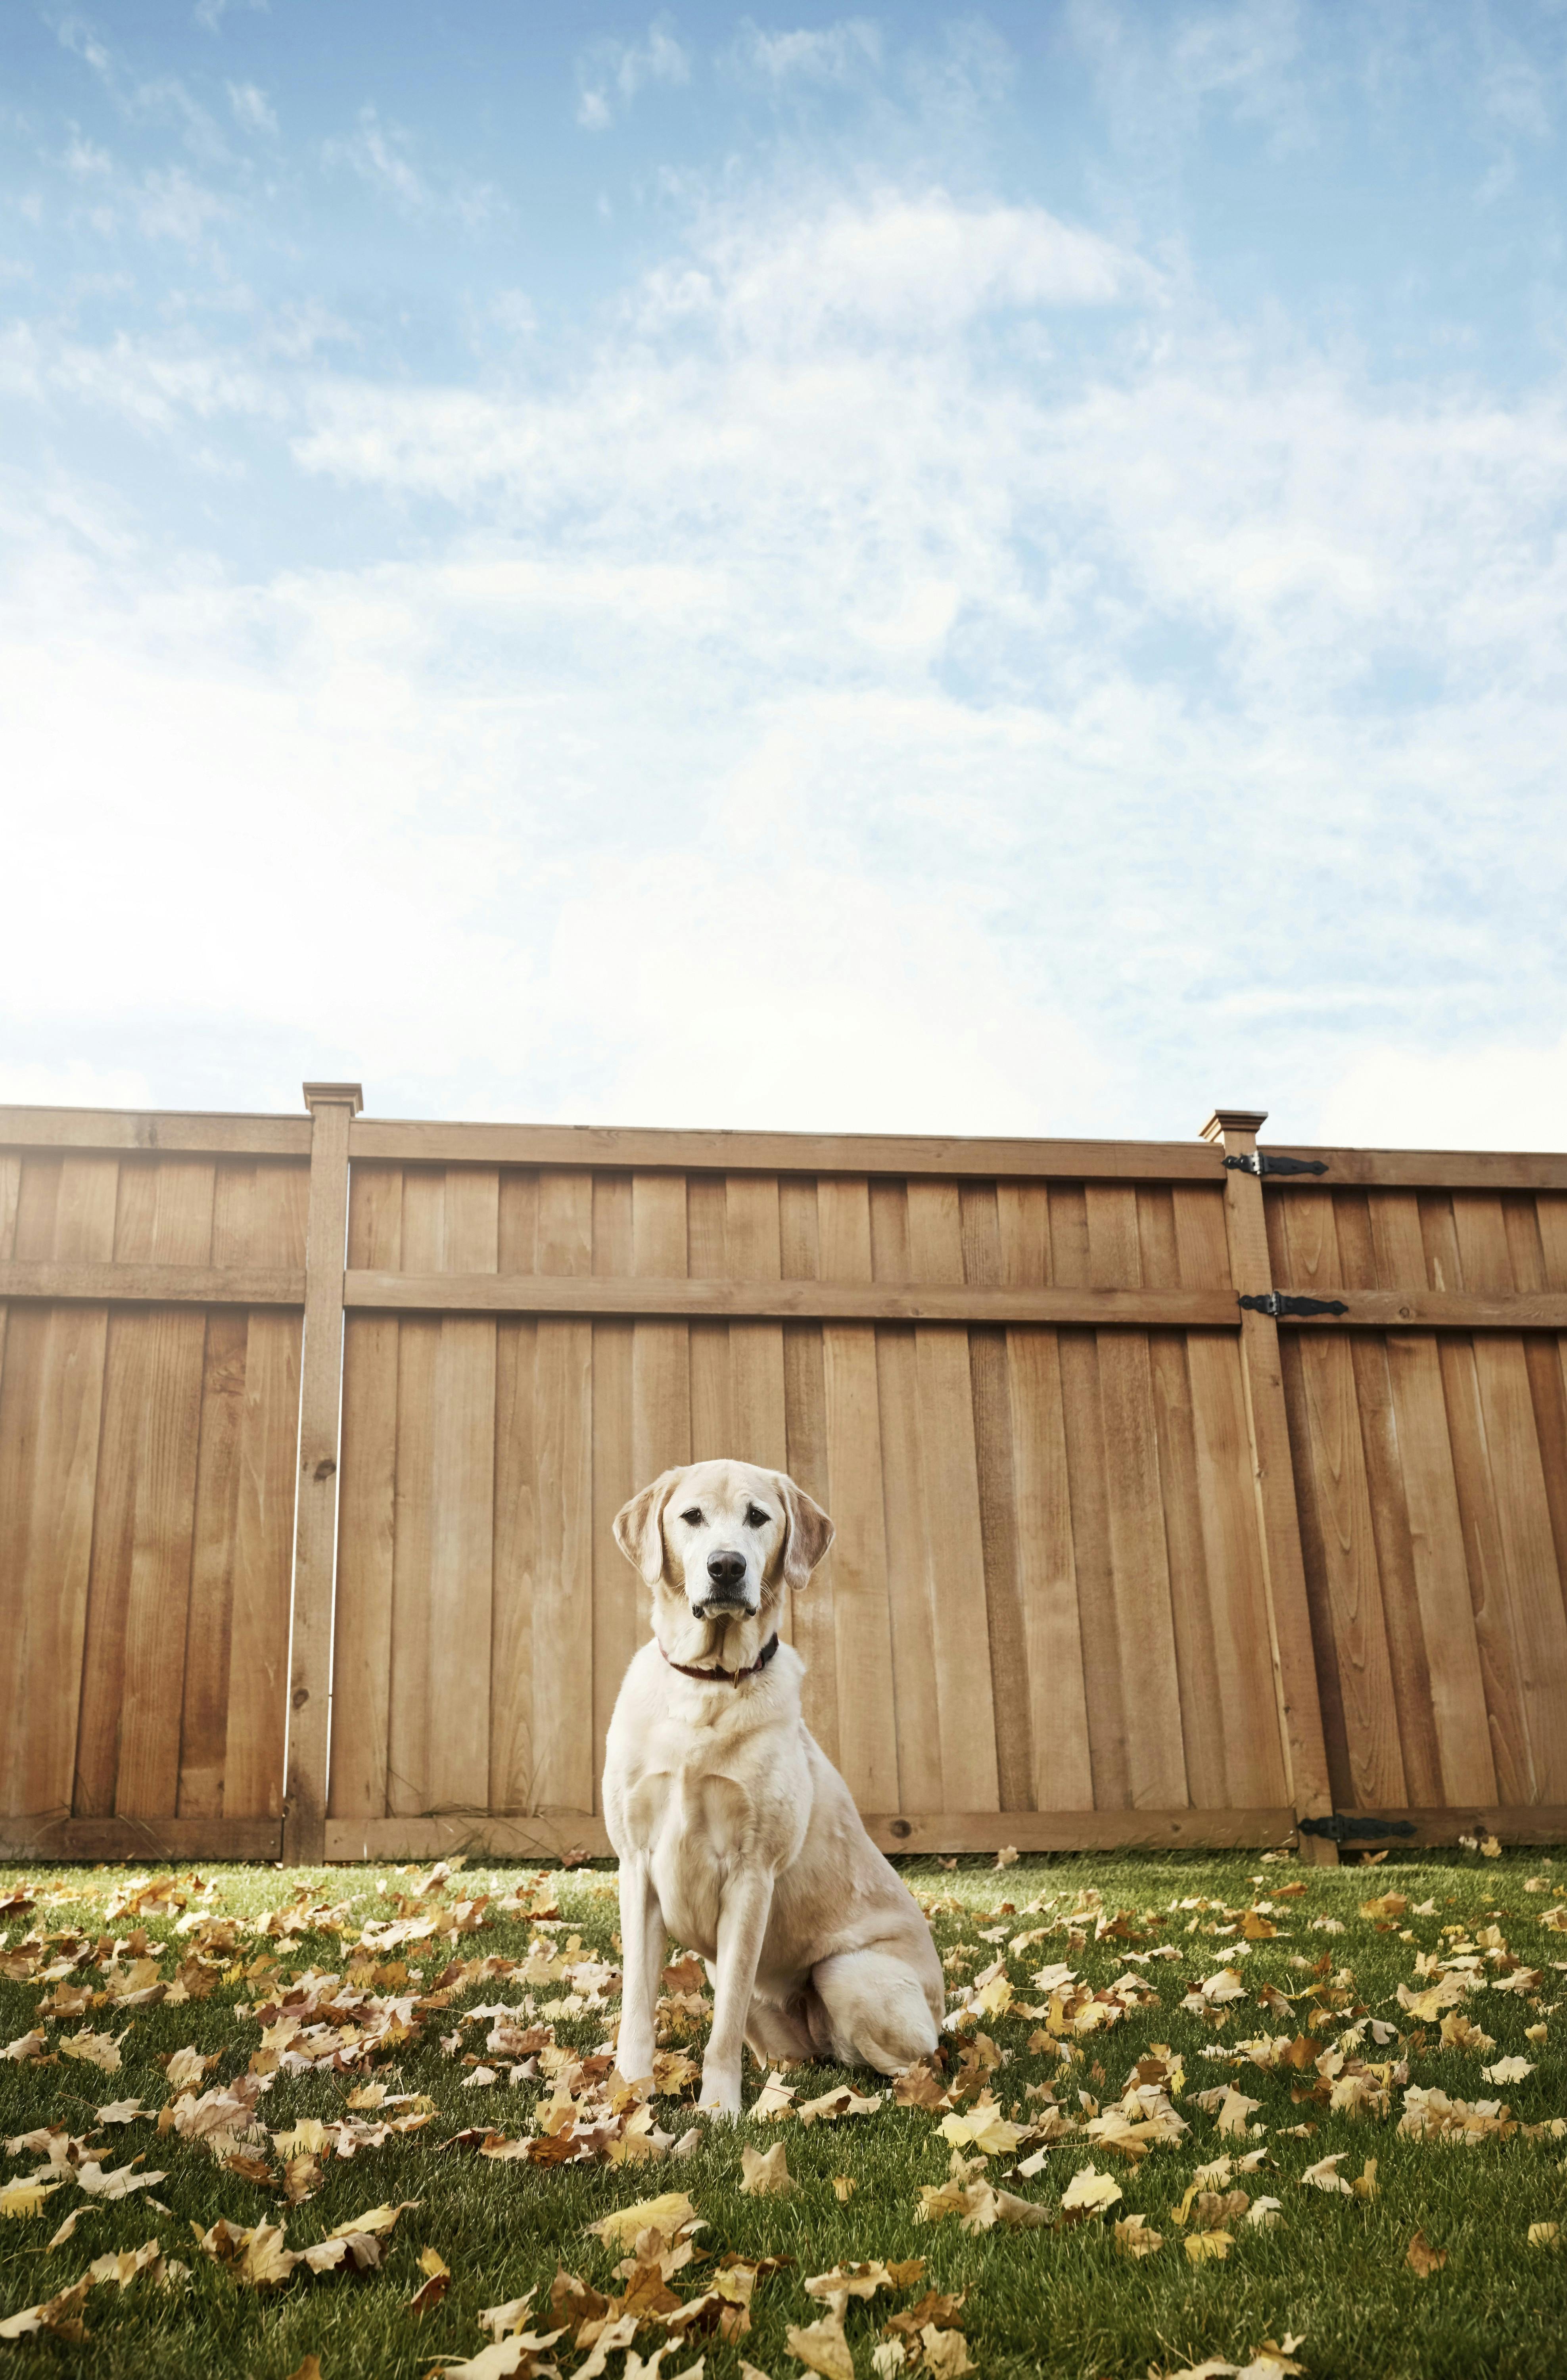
[[693, 1519], [755, 1520]]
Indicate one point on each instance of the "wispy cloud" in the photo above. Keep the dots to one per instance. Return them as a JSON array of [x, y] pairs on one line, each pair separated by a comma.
[[611, 73], [253, 111], [210, 14], [826, 53], [380, 153]]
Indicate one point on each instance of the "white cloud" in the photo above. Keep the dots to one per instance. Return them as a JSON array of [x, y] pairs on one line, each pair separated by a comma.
[[72, 1083], [252, 109], [1508, 1095], [610, 70], [827, 54]]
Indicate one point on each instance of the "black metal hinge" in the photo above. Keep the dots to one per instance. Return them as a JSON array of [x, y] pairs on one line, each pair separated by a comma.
[[1340, 1828], [1264, 1162], [1281, 1307]]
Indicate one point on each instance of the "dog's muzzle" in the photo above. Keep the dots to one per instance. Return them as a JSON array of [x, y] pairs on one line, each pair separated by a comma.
[[727, 1574]]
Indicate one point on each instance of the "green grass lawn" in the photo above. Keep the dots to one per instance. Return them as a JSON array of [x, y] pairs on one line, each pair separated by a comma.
[[1062, 2297]]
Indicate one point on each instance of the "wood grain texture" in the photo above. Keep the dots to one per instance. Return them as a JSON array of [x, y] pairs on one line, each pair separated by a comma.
[[361, 1684], [113, 1130], [1246, 1729], [418, 1341], [158, 1589], [620, 1600], [862, 1602], [51, 1423], [1303, 1670], [953, 1529], [794, 1298], [1139, 1555], [255, 1724], [315, 1504], [463, 1503], [155, 1284], [1533, 1582], [1349, 1590], [1104, 1686], [564, 1771], [991, 1386], [683, 1153]]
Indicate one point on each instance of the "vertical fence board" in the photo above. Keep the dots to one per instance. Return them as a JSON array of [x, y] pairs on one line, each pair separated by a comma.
[[1532, 1584], [256, 1716], [563, 1772], [158, 1590], [418, 1341], [619, 1597], [869, 1735], [55, 1362], [367, 1511], [463, 1503], [949, 1465]]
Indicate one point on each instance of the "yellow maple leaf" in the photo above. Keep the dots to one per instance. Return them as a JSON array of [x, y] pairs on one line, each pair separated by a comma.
[[1202, 2244]]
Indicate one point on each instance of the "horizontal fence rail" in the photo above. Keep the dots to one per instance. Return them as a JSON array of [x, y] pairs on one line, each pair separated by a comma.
[[312, 1429]]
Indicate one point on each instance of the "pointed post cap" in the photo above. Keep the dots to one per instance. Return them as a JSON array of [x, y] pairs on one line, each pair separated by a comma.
[[1225, 1120], [334, 1094]]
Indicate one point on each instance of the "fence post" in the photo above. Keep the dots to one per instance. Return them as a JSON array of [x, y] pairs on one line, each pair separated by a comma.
[[1289, 1615], [333, 1106]]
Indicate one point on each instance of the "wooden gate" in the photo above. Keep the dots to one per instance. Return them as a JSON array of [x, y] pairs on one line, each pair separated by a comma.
[[1119, 1558]]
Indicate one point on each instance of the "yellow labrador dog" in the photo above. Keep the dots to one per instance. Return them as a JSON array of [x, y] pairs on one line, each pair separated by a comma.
[[733, 1831]]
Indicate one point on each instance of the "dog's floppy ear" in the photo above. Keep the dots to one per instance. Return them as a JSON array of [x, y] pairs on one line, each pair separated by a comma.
[[808, 1532], [639, 1526]]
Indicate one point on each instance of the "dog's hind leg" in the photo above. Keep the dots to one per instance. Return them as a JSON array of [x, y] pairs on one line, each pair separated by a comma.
[[873, 2011], [773, 2032]]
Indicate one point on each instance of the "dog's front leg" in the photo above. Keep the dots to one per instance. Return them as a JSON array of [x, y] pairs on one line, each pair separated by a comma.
[[742, 1923], [642, 1945]]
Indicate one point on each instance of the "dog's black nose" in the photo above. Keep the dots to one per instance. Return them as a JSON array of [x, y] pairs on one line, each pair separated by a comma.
[[727, 1570]]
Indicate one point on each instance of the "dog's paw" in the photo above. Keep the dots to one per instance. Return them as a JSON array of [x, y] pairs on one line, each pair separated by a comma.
[[720, 2099]]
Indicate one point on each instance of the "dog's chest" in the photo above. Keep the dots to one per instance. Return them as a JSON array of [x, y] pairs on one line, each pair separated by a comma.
[[697, 1814]]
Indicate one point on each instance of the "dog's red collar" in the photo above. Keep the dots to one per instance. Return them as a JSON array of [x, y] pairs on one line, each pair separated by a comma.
[[730, 1676]]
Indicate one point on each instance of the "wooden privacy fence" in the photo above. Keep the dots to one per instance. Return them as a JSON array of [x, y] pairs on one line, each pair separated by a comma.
[[1184, 1496]]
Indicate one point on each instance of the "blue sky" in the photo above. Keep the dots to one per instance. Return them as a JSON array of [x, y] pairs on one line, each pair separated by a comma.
[[903, 571]]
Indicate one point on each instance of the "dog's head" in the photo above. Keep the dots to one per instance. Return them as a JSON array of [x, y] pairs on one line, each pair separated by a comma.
[[724, 1535]]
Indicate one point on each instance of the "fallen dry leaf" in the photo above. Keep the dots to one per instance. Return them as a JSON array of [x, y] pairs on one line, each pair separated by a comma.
[[61, 2314], [1090, 2193], [21, 2198], [1204, 2244], [765, 2173], [99, 2049], [670, 2214], [1134, 2238], [436, 2284], [823, 2348], [1424, 2259]]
